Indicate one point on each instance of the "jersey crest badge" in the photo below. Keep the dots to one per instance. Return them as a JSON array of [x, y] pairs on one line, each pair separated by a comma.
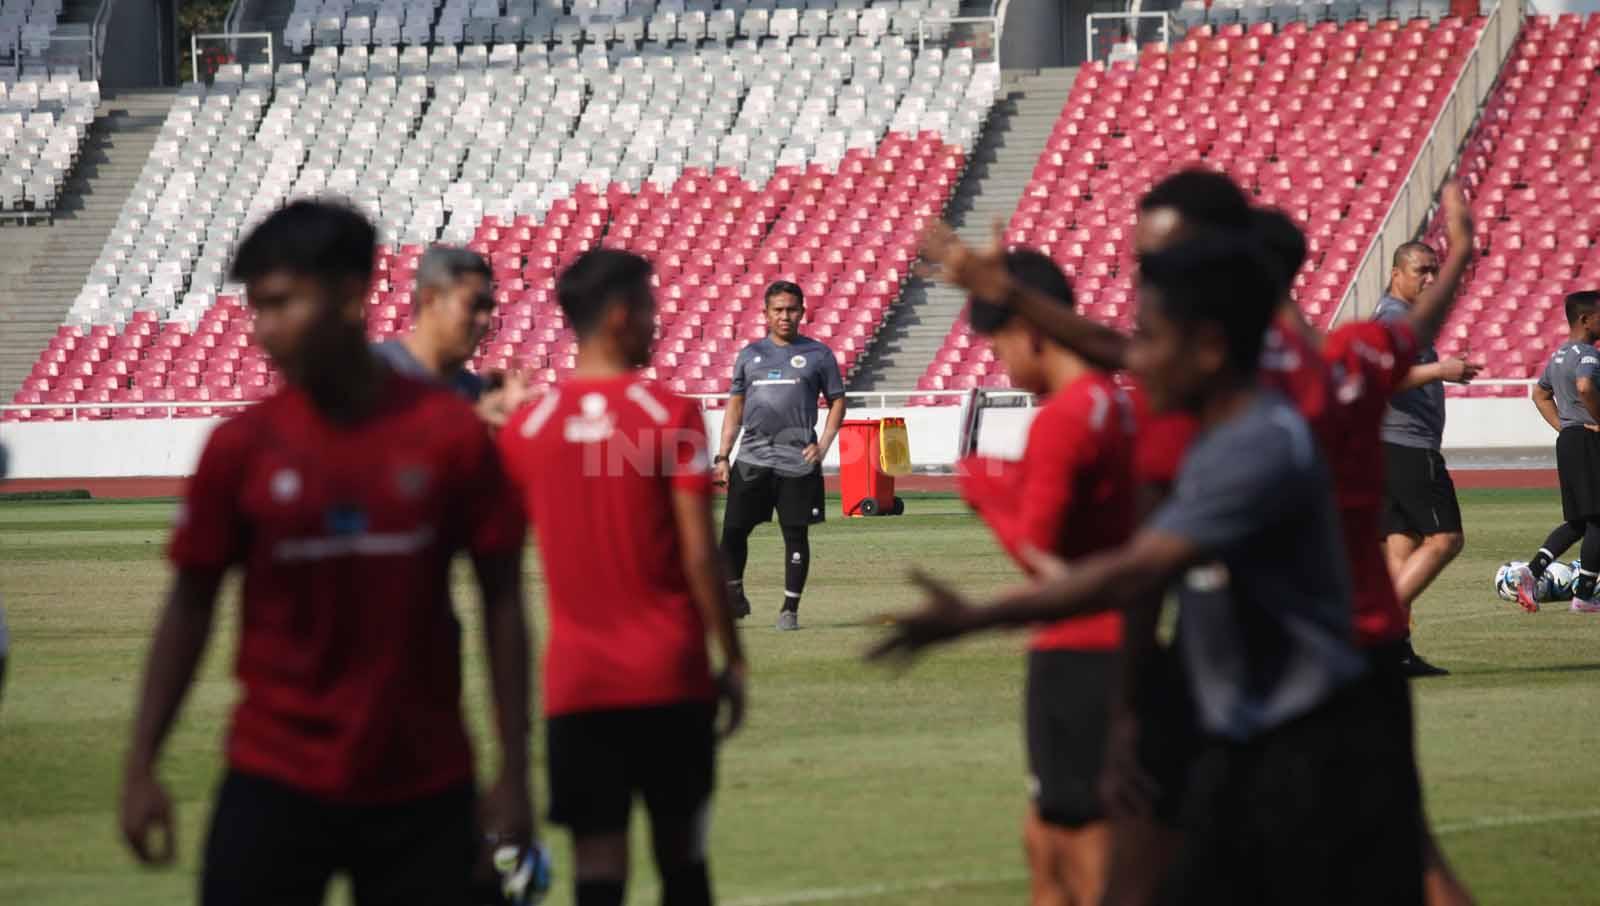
[[798, 361]]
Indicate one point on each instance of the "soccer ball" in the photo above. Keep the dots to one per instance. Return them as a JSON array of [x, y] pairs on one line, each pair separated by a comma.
[[1557, 581], [1505, 580]]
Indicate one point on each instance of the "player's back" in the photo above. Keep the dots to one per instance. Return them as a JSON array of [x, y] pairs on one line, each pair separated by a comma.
[[597, 462]]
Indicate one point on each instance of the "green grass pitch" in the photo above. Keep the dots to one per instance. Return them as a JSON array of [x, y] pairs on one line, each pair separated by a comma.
[[850, 784]]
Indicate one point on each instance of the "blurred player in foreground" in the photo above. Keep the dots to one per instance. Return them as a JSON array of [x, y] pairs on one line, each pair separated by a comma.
[[1568, 396], [343, 499], [1297, 744], [1072, 494], [617, 482], [452, 308]]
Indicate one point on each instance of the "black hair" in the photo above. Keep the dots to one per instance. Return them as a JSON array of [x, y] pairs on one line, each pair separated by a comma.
[[325, 240], [1226, 280], [1032, 269], [1203, 197], [1283, 241], [599, 278], [783, 288], [1583, 302], [1407, 249]]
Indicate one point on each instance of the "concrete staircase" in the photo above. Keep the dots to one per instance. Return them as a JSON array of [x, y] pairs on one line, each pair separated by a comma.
[[43, 267], [1003, 162]]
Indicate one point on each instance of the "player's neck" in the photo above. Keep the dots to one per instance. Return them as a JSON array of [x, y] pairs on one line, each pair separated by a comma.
[[1225, 402], [598, 360], [1062, 368], [780, 341], [1578, 336], [346, 393], [427, 355]]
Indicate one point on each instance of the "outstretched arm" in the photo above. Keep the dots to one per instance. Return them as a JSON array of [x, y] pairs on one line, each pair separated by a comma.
[[983, 274], [1432, 308]]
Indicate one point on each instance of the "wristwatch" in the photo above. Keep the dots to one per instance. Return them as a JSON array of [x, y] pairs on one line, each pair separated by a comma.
[[719, 458]]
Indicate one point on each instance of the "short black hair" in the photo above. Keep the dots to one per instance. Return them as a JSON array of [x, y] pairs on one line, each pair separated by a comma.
[[783, 288], [1583, 302], [1283, 240], [1407, 249], [325, 240], [1227, 280], [1203, 197], [1032, 269], [597, 279]]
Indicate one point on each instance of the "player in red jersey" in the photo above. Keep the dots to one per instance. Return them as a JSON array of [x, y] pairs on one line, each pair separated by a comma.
[[1341, 386], [1072, 493], [343, 499], [616, 476]]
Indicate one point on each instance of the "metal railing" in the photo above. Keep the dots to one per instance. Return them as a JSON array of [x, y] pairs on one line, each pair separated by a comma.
[[981, 33], [869, 399], [233, 50], [1138, 28], [98, 29], [1435, 159], [55, 54]]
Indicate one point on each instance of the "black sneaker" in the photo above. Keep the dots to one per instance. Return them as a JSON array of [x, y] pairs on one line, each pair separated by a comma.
[[1414, 667], [740, 603]]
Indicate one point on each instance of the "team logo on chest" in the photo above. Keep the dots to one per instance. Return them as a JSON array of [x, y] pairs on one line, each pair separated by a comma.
[[285, 485], [798, 361], [411, 481]]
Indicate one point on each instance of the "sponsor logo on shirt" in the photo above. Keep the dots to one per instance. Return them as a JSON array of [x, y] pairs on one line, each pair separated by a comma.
[[1209, 577], [774, 375]]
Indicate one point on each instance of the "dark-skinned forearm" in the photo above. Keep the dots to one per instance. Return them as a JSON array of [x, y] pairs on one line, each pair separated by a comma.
[[175, 653], [508, 647], [1102, 346]]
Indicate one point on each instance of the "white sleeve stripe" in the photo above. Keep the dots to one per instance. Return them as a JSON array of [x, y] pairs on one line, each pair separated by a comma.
[[540, 414], [651, 406]]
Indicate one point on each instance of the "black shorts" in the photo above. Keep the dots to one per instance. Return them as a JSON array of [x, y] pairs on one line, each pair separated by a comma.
[[1578, 465], [1169, 739], [755, 491], [1068, 710], [1419, 496], [271, 844], [598, 760], [1325, 809]]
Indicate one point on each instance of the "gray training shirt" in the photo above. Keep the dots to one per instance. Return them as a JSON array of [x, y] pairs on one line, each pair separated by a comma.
[[1572, 361], [395, 354], [780, 385], [1415, 417], [1264, 630]]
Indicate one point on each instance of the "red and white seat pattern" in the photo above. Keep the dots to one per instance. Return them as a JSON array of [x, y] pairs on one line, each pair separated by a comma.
[[1322, 120], [1532, 174], [837, 207]]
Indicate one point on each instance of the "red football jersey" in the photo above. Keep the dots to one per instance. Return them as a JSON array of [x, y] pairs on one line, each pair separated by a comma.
[[1072, 493], [1163, 439], [349, 651], [1343, 391], [596, 462]]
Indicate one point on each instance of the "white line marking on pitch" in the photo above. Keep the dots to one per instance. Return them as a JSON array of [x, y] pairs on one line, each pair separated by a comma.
[[867, 891], [1487, 823]]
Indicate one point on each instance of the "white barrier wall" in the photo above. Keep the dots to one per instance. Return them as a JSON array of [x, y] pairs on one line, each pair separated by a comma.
[[167, 448]]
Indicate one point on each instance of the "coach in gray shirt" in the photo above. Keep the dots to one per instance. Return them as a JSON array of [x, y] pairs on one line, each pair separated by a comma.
[[773, 400], [1421, 518]]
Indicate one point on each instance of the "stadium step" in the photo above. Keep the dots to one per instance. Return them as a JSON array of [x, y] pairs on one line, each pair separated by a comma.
[[1000, 167], [46, 264]]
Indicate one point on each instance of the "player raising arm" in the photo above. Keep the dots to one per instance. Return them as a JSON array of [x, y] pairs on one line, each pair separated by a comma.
[[343, 499], [1280, 690], [617, 481]]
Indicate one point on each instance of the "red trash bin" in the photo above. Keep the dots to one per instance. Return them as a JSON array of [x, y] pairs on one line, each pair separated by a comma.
[[864, 488]]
